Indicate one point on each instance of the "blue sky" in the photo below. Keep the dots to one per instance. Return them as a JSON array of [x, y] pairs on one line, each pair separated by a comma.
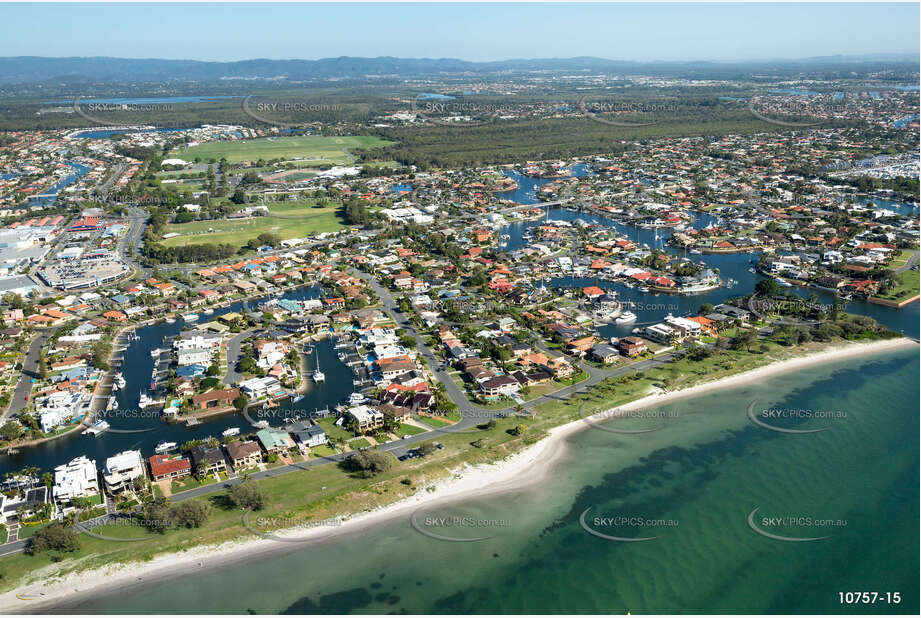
[[649, 32]]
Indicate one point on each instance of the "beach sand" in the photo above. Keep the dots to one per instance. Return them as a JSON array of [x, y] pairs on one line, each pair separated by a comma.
[[515, 473]]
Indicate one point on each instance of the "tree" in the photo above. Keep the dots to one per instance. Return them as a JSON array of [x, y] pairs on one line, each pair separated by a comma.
[[370, 462], [240, 402], [247, 495], [191, 514], [156, 516], [427, 448], [705, 309], [55, 536], [11, 430]]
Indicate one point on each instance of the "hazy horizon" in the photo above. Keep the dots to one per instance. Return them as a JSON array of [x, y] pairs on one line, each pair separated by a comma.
[[475, 32]]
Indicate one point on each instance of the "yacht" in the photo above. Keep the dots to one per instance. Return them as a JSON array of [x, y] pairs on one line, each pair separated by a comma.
[[233, 431], [357, 399], [642, 288], [170, 320], [625, 318], [296, 398], [208, 311], [318, 376], [98, 428], [146, 401], [119, 380], [783, 283], [164, 447], [190, 317], [696, 251]]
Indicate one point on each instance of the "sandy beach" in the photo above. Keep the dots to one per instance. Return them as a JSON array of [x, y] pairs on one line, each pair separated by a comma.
[[516, 473]]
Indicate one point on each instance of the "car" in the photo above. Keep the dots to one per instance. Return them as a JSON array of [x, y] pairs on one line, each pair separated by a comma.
[[439, 445], [403, 457]]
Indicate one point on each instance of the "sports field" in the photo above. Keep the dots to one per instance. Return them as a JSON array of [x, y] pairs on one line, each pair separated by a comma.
[[311, 148], [305, 220]]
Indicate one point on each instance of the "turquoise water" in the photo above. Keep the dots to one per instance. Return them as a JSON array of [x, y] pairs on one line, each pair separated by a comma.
[[699, 476]]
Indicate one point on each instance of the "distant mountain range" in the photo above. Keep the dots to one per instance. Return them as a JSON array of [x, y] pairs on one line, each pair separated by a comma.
[[31, 69]]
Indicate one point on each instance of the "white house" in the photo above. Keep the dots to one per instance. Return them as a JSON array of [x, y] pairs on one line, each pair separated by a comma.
[[122, 469], [76, 479]]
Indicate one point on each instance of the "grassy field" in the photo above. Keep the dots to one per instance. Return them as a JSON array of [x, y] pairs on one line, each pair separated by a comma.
[[908, 287], [306, 221], [316, 149]]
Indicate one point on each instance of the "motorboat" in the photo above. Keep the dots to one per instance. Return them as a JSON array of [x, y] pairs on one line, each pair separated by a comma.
[[164, 447], [296, 398], [357, 399], [625, 318], [170, 320], [190, 317], [97, 428], [233, 431], [208, 311]]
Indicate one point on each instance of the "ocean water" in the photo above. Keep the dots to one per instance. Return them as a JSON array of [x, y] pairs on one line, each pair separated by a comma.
[[691, 484]]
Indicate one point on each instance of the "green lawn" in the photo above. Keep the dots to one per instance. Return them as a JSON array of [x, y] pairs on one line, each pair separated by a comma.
[[305, 221], [432, 422], [408, 430], [322, 451], [907, 287], [312, 148], [333, 431], [359, 443]]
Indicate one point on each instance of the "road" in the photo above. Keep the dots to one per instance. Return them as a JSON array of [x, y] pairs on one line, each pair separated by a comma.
[[28, 372], [233, 355]]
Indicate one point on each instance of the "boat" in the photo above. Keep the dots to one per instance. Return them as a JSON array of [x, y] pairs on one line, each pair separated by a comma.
[[97, 428], [208, 311], [119, 380], [642, 288], [296, 398], [233, 431], [357, 399], [170, 320], [192, 422], [164, 447], [261, 424], [113, 404], [318, 376], [190, 317], [625, 318], [696, 251], [146, 401], [782, 283]]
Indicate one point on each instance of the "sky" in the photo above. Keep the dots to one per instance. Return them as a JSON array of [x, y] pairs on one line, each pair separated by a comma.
[[647, 32]]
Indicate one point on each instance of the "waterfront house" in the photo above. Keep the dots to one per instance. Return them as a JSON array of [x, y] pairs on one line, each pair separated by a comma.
[[163, 467], [274, 441], [308, 434], [122, 470], [605, 353], [207, 460], [215, 399], [632, 346], [366, 418], [78, 478], [244, 454]]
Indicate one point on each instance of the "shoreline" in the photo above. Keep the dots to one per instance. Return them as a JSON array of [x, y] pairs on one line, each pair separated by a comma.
[[517, 472]]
